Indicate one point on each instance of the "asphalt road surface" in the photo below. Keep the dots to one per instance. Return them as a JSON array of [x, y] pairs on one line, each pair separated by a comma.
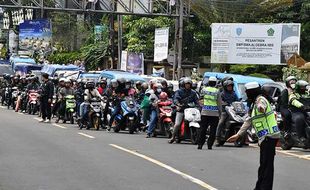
[[36, 156]]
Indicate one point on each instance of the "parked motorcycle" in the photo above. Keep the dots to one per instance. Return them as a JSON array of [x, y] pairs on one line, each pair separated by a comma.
[[128, 116], [70, 108], [190, 124], [33, 102], [237, 115], [165, 124]]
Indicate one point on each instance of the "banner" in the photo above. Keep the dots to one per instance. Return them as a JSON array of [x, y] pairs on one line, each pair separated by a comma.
[[35, 35], [254, 43], [99, 31], [158, 72], [135, 63], [161, 44]]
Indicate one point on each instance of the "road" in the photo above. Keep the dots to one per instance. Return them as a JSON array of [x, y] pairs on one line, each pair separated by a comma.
[[36, 156]]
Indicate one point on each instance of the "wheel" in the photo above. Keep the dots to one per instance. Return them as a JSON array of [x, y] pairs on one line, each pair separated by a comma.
[[193, 135], [71, 118], [96, 123], [116, 128], [251, 139], [285, 145], [168, 128], [131, 127]]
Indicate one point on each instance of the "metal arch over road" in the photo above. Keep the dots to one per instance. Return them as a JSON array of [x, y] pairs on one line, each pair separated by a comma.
[[119, 7]]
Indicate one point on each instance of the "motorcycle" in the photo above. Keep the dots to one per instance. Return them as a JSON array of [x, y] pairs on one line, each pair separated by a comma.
[[165, 124], [190, 124], [95, 114], [237, 115], [70, 108], [13, 97], [33, 101], [288, 140], [128, 116]]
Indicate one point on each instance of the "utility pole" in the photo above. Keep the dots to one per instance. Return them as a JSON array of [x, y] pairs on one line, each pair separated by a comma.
[[176, 39], [120, 41], [180, 38], [42, 8], [112, 40]]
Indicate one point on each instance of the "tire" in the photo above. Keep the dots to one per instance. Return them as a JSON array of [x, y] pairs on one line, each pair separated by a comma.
[[71, 117], [285, 145], [96, 123], [193, 135], [131, 127], [116, 128], [251, 139], [168, 127]]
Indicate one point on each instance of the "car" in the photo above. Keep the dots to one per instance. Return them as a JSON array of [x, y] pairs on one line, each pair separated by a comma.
[[239, 81], [90, 75], [116, 74]]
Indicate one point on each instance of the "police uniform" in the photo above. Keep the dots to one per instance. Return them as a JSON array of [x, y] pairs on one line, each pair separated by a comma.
[[267, 131], [210, 116]]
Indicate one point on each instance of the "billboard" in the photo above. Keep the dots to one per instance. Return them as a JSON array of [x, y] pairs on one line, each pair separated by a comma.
[[254, 43], [35, 35], [161, 44], [132, 62]]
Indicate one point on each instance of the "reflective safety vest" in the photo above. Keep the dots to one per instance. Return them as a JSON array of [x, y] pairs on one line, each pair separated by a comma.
[[210, 98], [265, 124]]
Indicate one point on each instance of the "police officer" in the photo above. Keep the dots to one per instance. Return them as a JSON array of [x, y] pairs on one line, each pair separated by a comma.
[[210, 113], [265, 124], [47, 88]]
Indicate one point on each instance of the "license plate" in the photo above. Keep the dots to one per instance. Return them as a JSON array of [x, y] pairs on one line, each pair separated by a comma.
[[131, 118]]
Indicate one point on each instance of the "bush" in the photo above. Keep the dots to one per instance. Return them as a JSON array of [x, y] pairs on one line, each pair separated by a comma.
[[64, 57]]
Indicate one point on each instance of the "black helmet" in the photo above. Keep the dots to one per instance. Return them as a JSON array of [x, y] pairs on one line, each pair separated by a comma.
[[267, 90], [90, 85], [301, 86], [164, 83], [226, 78]]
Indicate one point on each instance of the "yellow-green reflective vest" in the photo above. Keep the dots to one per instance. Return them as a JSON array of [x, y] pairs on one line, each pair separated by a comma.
[[210, 98], [264, 123]]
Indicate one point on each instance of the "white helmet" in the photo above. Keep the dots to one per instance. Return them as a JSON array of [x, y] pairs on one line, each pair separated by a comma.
[[251, 85], [212, 79], [62, 80]]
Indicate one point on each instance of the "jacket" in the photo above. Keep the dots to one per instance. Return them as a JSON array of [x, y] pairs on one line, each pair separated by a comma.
[[47, 89]]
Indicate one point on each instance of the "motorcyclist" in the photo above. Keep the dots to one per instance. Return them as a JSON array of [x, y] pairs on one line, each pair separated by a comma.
[[283, 103], [79, 96], [210, 113], [157, 88], [170, 91], [65, 91], [164, 85], [227, 96], [102, 88], [297, 106], [119, 94], [130, 90], [182, 98], [138, 86], [90, 93], [21, 88], [61, 84]]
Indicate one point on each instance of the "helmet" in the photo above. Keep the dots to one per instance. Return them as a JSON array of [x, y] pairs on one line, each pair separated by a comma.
[[163, 96], [138, 83], [152, 82], [145, 85], [67, 81], [212, 81], [267, 90], [90, 84], [149, 92], [62, 80], [252, 90], [188, 81], [121, 80], [164, 83], [128, 81], [114, 83], [227, 83], [301, 86], [103, 81], [170, 86], [288, 79], [226, 78]]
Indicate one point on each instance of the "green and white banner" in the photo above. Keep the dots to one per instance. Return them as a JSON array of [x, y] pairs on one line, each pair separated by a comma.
[[237, 43]]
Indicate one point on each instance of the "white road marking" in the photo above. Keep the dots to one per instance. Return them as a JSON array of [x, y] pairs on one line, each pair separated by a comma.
[[56, 125], [184, 175], [289, 153], [2, 107], [86, 135], [19, 113]]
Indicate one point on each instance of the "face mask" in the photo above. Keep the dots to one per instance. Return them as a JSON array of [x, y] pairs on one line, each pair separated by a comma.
[[293, 86]]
